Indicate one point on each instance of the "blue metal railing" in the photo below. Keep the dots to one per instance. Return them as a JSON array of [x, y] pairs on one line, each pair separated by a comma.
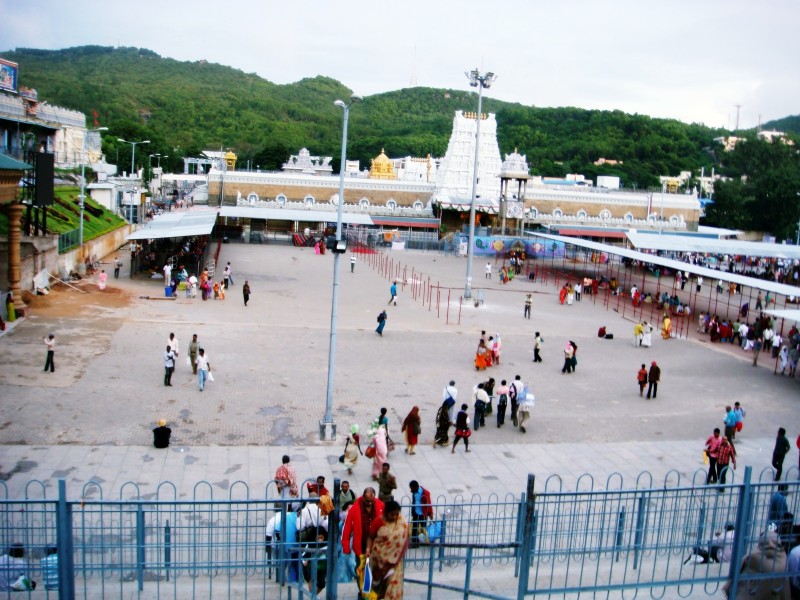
[[555, 542]]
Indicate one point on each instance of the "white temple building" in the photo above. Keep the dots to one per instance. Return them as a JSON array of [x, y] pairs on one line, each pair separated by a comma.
[[455, 175]]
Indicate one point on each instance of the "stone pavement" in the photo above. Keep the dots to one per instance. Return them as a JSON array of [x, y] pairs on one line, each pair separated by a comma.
[[91, 420]]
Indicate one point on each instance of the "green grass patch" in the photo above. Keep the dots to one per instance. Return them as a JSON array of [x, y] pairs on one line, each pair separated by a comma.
[[64, 215]]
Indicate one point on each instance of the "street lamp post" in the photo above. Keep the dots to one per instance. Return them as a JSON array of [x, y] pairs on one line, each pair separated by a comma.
[[797, 242], [83, 181], [327, 428], [133, 150], [480, 81]]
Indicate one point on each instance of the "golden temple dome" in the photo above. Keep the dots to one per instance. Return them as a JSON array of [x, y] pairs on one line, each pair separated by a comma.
[[381, 167]]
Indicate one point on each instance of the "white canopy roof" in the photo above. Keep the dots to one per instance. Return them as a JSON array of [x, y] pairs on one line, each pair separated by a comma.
[[177, 224], [293, 214], [790, 314], [677, 265], [685, 243]]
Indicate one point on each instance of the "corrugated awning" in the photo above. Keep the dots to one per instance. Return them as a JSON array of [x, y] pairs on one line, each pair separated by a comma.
[[675, 265], [686, 243], [293, 214], [790, 314], [177, 224]]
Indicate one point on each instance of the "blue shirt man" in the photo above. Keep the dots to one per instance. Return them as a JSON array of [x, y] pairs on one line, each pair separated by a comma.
[[393, 292]]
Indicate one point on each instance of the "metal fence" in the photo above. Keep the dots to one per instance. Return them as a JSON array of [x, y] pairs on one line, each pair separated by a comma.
[[68, 240], [601, 539]]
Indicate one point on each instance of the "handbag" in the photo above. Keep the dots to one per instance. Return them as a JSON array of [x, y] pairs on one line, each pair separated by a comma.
[[370, 451], [390, 445], [210, 376], [488, 409], [417, 428], [341, 458]]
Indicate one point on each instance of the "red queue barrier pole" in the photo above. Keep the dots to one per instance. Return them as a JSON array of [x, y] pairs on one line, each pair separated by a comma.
[[438, 302], [430, 294], [447, 312], [427, 298]]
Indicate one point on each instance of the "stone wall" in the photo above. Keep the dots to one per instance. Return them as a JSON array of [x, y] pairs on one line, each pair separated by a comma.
[[41, 253], [36, 253]]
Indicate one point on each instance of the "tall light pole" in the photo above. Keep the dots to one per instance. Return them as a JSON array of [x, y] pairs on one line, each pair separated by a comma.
[[83, 180], [797, 242], [479, 81], [133, 150], [327, 428]]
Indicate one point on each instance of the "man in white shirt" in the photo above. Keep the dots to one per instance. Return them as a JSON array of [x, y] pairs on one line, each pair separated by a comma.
[[515, 394], [451, 392], [488, 270], [228, 275], [167, 274], [310, 516], [172, 342], [203, 368], [743, 329]]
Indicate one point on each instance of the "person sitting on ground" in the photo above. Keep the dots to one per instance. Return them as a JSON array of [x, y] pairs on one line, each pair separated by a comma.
[[161, 434]]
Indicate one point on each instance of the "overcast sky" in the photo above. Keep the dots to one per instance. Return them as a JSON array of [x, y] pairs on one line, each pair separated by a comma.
[[693, 60]]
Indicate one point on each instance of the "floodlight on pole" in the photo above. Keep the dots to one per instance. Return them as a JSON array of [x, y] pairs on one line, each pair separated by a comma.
[[480, 81], [133, 150], [83, 181], [327, 427]]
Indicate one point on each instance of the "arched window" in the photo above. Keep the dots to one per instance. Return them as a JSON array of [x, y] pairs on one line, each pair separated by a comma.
[[628, 217], [418, 206], [334, 201], [391, 204], [605, 214], [309, 200], [252, 197], [281, 199], [558, 213], [581, 214], [533, 213], [674, 220], [363, 203]]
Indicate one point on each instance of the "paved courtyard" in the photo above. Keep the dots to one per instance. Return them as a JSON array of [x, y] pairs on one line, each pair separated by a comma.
[[91, 420]]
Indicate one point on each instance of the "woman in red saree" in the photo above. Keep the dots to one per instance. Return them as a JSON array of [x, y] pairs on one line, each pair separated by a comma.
[[412, 426], [386, 547]]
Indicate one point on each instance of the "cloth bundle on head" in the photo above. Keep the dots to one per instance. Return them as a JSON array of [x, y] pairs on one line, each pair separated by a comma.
[[325, 505], [653, 363], [162, 422], [354, 429]]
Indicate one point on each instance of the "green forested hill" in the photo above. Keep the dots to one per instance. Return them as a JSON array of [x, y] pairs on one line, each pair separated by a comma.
[[187, 107]]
